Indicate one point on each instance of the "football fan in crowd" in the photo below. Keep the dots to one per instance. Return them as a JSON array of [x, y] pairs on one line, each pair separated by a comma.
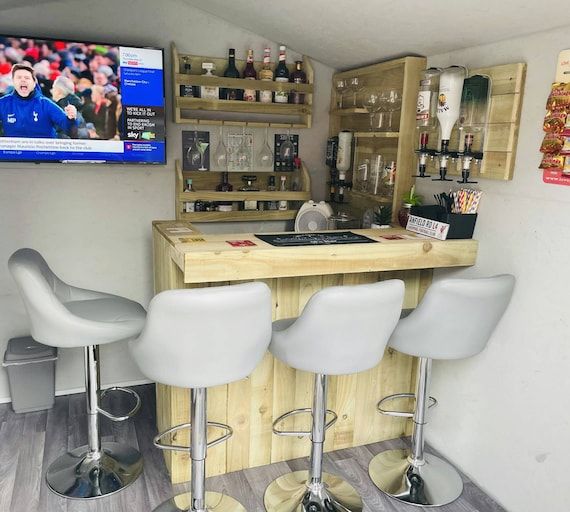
[[67, 73]]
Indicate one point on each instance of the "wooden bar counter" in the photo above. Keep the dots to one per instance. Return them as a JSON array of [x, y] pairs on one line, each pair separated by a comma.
[[186, 258]]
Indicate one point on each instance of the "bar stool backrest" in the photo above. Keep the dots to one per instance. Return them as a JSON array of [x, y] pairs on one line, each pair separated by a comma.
[[455, 319], [45, 296], [205, 337], [342, 329]]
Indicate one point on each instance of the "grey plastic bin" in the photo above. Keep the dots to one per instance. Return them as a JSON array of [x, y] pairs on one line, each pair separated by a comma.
[[31, 374]]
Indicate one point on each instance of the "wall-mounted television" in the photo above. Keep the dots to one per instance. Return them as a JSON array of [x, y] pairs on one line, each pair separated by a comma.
[[80, 102]]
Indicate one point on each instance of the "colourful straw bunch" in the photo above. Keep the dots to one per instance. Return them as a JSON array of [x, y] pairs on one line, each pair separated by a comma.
[[466, 200]]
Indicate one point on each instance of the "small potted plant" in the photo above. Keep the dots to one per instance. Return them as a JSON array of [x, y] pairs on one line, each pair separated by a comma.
[[382, 217], [409, 200]]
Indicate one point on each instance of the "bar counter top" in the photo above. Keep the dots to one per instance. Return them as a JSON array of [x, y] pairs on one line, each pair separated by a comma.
[[212, 258], [186, 258]]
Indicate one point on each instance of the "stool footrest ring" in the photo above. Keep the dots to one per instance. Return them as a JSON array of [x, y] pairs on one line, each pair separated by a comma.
[[157, 441], [301, 433], [129, 414], [402, 414]]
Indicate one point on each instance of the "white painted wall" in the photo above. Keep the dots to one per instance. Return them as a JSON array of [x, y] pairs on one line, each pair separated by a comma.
[[504, 415], [93, 223]]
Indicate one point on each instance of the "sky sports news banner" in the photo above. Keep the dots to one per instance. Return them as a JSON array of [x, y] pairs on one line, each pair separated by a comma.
[[117, 93]]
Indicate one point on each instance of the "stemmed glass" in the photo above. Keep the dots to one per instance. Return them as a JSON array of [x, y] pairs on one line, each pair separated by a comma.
[[243, 156], [355, 86], [265, 155], [193, 152], [221, 152], [372, 102], [287, 149], [341, 86], [202, 146], [392, 103]]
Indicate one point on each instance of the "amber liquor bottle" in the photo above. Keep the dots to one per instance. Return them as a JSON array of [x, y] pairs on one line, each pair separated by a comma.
[[298, 77]]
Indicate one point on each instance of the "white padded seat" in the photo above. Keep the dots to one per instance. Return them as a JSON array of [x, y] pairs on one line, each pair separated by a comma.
[[62, 315], [204, 337], [455, 319], [342, 330]]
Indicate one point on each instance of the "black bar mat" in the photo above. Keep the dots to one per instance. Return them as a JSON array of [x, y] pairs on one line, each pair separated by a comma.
[[329, 238]]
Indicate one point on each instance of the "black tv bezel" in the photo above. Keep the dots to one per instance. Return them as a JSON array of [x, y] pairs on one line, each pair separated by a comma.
[[93, 162]]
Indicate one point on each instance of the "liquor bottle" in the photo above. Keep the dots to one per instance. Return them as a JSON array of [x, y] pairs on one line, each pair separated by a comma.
[[271, 205], [298, 77], [231, 72], [449, 101], [266, 74], [187, 91], [333, 182], [208, 92], [331, 153], [283, 188], [249, 73], [189, 206], [282, 75], [426, 110], [341, 186], [224, 186]]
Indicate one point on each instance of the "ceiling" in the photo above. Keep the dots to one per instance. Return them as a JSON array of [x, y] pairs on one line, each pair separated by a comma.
[[345, 33]]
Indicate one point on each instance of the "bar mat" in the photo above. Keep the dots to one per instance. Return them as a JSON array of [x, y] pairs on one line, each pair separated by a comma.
[[331, 238]]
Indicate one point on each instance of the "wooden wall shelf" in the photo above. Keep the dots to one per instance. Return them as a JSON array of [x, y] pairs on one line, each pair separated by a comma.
[[238, 113], [204, 183], [403, 75]]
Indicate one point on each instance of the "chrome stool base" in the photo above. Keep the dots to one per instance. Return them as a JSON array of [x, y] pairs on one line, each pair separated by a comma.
[[292, 492], [215, 502], [77, 474], [434, 483]]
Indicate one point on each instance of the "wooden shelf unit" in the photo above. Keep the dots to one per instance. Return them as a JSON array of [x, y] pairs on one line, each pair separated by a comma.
[[238, 113], [204, 184], [403, 75]]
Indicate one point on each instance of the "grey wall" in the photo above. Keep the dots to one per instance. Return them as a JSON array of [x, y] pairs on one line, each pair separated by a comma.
[[503, 415], [93, 223]]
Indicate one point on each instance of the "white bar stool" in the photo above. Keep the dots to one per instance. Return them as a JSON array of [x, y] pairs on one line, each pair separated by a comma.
[[454, 320], [197, 339], [65, 316], [342, 330]]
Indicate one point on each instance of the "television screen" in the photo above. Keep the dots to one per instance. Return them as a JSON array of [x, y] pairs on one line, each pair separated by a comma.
[[67, 101]]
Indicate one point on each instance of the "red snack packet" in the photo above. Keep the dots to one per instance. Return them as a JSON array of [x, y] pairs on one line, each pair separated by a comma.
[[555, 121], [552, 162], [559, 97], [552, 143]]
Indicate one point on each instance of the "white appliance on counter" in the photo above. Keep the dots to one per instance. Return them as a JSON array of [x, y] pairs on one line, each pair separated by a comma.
[[313, 216]]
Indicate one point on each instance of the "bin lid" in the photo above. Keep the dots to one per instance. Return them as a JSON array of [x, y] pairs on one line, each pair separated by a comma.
[[26, 349]]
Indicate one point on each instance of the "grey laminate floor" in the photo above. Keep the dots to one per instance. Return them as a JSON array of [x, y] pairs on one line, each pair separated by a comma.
[[29, 442]]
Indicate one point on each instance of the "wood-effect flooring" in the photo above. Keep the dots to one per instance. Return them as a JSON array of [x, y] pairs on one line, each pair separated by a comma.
[[30, 442]]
